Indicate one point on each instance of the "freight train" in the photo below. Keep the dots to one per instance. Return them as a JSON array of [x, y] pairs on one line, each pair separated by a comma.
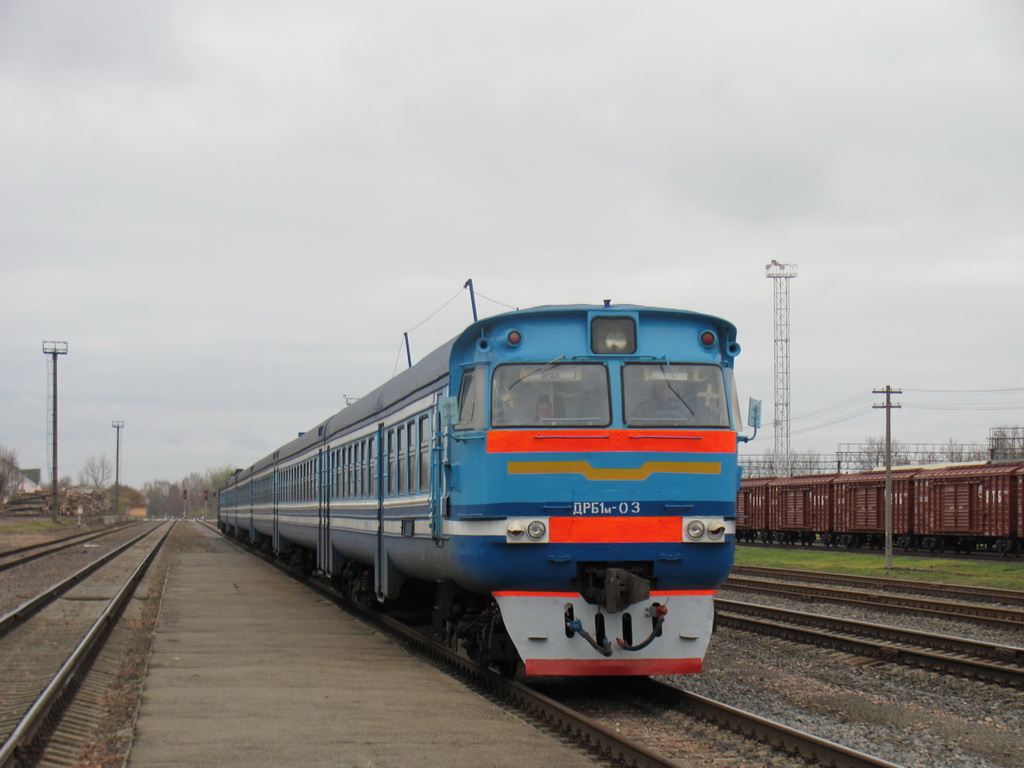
[[960, 508], [557, 485]]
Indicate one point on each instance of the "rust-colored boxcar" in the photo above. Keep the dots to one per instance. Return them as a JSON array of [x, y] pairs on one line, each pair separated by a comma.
[[963, 508], [801, 507], [752, 509], [860, 508]]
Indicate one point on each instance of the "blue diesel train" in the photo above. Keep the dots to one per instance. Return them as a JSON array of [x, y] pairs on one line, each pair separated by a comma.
[[558, 484]]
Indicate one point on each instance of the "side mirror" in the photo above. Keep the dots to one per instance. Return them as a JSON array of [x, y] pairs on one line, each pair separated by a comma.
[[448, 408], [754, 414], [753, 419]]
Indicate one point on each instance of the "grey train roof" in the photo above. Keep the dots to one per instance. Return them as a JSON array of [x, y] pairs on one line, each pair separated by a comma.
[[384, 398], [432, 368]]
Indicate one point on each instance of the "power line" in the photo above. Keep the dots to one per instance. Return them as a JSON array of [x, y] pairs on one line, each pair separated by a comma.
[[965, 391]]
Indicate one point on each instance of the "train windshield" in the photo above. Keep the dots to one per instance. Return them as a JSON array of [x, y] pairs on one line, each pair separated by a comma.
[[550, 395], [674, 395]]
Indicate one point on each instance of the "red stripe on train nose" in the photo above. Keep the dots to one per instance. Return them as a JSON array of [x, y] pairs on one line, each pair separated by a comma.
[[611, 440]]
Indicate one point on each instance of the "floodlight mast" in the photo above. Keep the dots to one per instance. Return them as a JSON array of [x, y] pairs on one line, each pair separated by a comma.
[[54, 348], [782, 274]]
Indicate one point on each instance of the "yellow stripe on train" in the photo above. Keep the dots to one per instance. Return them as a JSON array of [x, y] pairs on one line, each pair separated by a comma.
[[642, 472]]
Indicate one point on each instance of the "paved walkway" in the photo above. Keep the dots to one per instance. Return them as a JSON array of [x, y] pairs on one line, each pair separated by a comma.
[[249, 668]]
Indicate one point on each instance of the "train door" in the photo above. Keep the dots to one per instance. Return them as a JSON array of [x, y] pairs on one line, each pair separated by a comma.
[[437, 491], [273, 512], [383, 475], [252, 513], [325, 460]]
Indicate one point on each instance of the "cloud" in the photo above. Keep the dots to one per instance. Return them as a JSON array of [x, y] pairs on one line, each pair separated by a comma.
[[233, 215]]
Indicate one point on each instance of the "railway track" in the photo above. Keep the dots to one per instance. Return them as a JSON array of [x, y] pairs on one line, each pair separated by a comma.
[[601, 738], [12, 558], [985, 661], [1004, 618], [678, 709], [1007, 597], [48, 643], [946, 554]]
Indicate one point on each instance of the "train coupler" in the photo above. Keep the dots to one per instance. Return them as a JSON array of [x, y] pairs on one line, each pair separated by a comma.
[[658, 612], [574, 626]]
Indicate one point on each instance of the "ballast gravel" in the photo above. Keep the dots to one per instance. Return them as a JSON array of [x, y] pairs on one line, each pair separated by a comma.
[[911, 717]]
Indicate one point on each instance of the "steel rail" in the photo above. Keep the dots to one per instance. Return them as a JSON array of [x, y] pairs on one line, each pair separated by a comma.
[[589, 733], [67, 678], [890, 643], [613, 746], [808, 746], [1004, 596], [58, 545], [1007, 618], [15, 617], [981, 555]]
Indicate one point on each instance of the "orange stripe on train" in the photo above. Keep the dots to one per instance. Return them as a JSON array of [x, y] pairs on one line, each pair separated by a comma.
[[613, 440], [614, 530], [655, 593]]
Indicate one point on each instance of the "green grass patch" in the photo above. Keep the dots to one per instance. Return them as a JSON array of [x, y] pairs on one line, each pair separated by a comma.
[[14, 526], [1006, 573]]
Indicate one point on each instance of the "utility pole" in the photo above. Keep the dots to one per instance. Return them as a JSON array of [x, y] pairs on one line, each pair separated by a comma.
[[118, 425], [782, 274], [889, 405], [54, 348]]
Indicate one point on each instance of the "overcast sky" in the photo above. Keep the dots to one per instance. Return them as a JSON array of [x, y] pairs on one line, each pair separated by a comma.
[[232, 211]]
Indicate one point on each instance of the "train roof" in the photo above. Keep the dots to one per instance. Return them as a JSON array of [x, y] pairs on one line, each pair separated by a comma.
[[434, 367], [427, 371], [569, 308]]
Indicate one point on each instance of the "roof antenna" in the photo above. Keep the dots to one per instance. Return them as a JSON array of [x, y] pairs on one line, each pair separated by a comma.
[[472, 296], [607, 302]]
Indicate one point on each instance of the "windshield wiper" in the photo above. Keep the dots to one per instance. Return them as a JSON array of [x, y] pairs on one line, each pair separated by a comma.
[[666, 366], [534, 373]]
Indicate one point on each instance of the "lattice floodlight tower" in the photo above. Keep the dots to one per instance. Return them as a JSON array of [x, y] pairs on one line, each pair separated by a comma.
[[782, 274]]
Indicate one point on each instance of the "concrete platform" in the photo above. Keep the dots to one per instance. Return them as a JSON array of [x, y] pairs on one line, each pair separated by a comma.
[[249, 668]]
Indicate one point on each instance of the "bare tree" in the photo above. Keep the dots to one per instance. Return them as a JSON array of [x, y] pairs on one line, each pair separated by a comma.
[[872, 454], [1006, 442], [96, 473], [10, 475]]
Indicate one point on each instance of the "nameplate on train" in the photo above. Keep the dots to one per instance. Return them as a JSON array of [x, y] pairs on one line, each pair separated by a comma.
[[606, 507]]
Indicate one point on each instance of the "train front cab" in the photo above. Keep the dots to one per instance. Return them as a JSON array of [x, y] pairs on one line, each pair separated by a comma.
[[602, 528]]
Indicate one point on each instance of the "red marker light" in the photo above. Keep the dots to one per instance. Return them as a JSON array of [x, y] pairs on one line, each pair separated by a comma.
[[515, 338], [707, 338]]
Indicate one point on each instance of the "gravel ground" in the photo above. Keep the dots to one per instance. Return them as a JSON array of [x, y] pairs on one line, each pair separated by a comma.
[[912, 717], [114, 732], [26, 581], [893, 617]]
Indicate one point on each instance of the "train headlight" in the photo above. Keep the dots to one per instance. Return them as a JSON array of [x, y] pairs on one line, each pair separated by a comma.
[[716, 531], [613, 335], [526, 532], [695, 529]]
